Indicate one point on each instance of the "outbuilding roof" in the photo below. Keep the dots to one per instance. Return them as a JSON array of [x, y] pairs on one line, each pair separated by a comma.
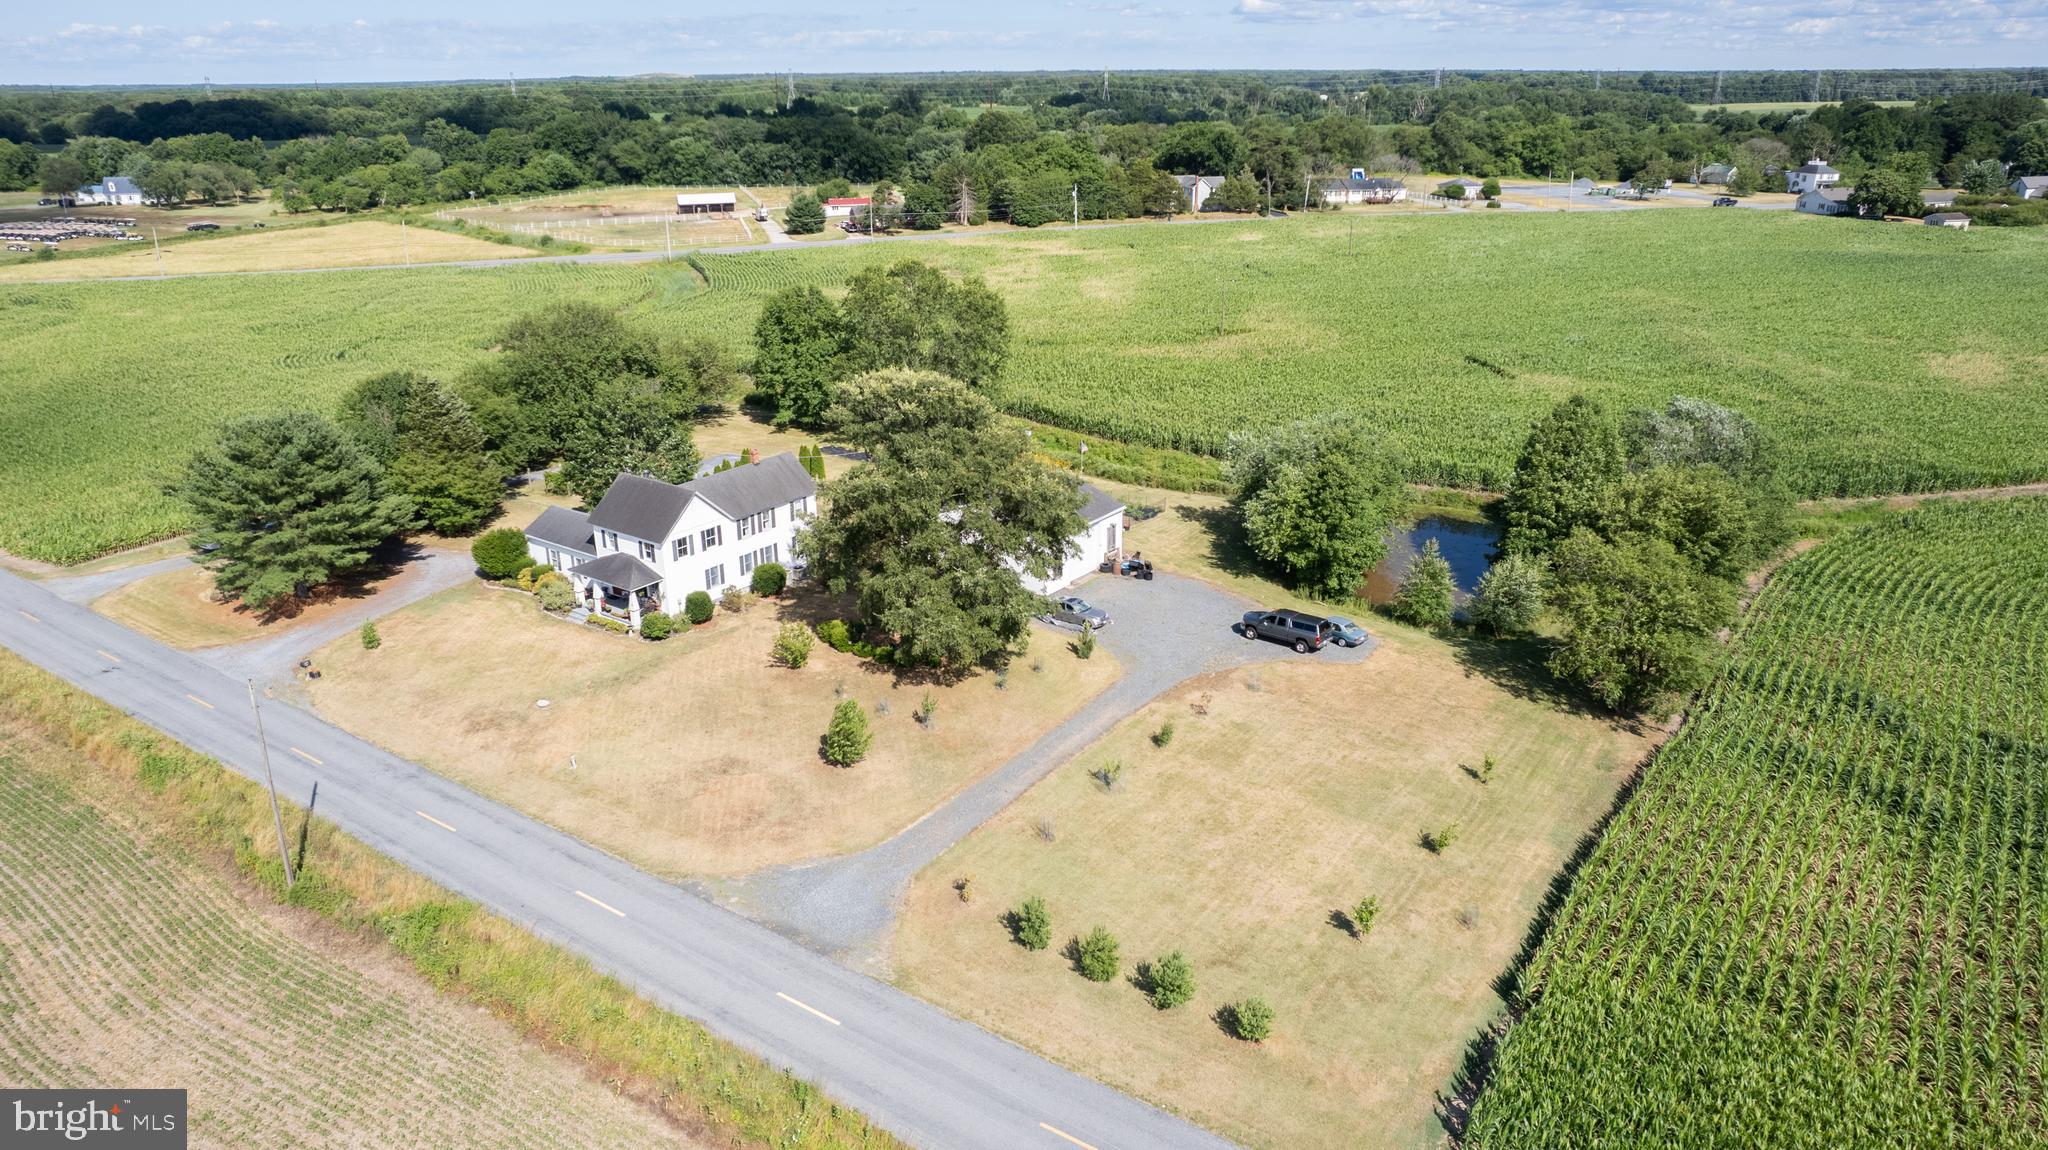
[[1100, 504], [848, 202], [620, 570], [561, 527], [1816, 168], [2032, 181]]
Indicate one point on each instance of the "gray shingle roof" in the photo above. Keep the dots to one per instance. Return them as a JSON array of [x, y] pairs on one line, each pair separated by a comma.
[[640, 506], [2033, 181], [620, 570], [1947, 217], [1838, 195], [744, 490], [1099, 504], [1815, 167], [563, 528], [647, 508]]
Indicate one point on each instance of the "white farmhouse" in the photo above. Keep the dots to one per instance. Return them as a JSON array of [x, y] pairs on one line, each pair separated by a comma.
[[112, 190], [1811, 176], [1359, 188], [1198, 189], [647, 543], [2031, 187], [1825, 201]]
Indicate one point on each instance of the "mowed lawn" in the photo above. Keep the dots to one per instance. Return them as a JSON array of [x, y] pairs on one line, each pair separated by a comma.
[[1886, 357], [698, 755], [1281, 800], [360, 244], [124, 960]]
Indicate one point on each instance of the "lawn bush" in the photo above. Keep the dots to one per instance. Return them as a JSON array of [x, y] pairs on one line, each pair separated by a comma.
[[770, 579], [1362, 916], [656, 626], [792, 646], [555, 594], [697, 607], [1085, 645], [1096, 956], [1252, 1020], [371, 640], [847, 739], [1031, 924], [733, 600], [836, 634], [1171, 981], [605, 622], [500, 553]]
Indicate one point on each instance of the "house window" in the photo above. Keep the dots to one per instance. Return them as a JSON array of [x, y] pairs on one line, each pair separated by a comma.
[[798, 507], [714, 577], [611, 540], [554, 559], [711, 537], [753, 559], [647, 552], [742, 527], [682, 546], [769, 553], [747, 563]]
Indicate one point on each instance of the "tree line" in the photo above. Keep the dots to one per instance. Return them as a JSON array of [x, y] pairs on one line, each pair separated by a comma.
[[1023, 149]]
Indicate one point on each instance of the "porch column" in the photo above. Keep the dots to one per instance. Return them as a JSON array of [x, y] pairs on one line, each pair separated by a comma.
[[633, 609]]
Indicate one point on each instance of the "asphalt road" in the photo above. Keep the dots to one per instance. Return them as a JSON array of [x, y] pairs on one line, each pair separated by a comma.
[[931, 1079]]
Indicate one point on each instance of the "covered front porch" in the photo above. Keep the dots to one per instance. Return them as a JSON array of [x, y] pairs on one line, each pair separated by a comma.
[[619, 586]]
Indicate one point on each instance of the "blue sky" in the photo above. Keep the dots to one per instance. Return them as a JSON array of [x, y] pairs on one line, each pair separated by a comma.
[[259, 41]]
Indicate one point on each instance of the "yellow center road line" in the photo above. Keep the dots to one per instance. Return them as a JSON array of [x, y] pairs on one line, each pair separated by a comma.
[[307, 757], [26, 615], [106, 655], [812, 1009], [198, 700], [446, 827], [1054, 1130], [587, 898]]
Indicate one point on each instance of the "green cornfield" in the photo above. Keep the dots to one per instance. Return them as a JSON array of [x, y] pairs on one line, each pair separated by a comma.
[[1888, 358], [1822, 918]]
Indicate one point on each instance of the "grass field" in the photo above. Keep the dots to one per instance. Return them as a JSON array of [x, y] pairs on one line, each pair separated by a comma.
[[1887, 361], [1281, 800], [693, 756], [624, 218], [124, 960], [358, 244], [1822, 920]]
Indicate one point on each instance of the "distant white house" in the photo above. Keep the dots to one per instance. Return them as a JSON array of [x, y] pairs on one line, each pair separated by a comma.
[[1471, 186], [841, 206], [1827, 201], [1810, 176], [1198, 189], [113, 190], [2031, 187], [1359, 188], [721, 204], [1957, 220], [1938, 199], [647, 543], [1717, 173]]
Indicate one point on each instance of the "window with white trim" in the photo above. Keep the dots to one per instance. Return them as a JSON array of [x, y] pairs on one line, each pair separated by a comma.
[[799, 507], [682, 546], [554, 559], [611, 540], [647, 551], [714, 577], [711, 536]]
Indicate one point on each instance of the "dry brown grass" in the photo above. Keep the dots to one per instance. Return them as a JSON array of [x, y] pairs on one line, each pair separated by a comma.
[[693, 756], [359, 244], [737, 432], [124, 959], [1270, 812], [181, 608]]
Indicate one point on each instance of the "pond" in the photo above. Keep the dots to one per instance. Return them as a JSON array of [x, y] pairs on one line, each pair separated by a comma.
[[1467, 545]]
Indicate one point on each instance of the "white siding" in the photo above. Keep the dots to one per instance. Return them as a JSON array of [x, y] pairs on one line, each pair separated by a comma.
[[1090, 548]]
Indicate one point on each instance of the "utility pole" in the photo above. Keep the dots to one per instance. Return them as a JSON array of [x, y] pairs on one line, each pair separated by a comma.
[[1222, 305], [404, 242], [284, 853], [668, 240], [157, 248], [1304, 189], [1077, 205]]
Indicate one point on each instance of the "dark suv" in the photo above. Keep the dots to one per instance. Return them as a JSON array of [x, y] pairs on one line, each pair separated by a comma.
[[1304, 633]]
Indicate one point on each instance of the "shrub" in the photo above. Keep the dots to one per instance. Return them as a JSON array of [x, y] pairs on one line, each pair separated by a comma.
[[1171, 981], [835, 634], [1096, 956], [1510, 595], [499, 554], [792, 646], [847, 738], [1486, 769], [697, 607], [1439, 841], [733, 600], [555, 594], [371, 640], [1164, 735], [1085, 645], [1362, 915], [926, 708], [770, 579], [656, 626], [615, 626], [1252, 1020], [1108, 773], [1427, 594], [1031, 925]]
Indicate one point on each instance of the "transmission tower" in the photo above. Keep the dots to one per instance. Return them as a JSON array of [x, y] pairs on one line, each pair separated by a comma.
[[1717, 87], [789, 100], [1439, 78], [1816, 86]]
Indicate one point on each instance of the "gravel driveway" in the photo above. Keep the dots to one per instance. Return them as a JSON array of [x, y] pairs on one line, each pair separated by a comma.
[[1163, 632]]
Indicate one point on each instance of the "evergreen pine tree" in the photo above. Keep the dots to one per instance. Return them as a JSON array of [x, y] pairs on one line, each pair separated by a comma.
[[288, 502], [1427, 592], [441, 464]]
